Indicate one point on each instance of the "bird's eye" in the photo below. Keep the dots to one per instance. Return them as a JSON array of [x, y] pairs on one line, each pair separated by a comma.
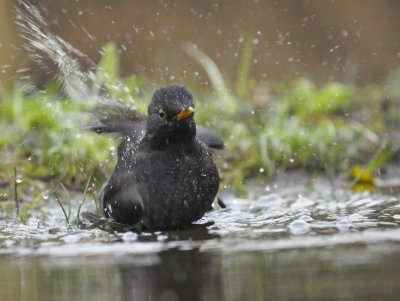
[[162, 114]]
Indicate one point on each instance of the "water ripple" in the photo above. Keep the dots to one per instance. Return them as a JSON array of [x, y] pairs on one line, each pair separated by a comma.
[[270, 222]]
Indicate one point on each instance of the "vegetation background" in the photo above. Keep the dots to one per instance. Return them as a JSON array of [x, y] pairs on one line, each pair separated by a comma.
[[288, 85]]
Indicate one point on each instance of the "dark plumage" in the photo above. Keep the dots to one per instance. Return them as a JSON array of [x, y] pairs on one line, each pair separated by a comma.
[[165, 177]]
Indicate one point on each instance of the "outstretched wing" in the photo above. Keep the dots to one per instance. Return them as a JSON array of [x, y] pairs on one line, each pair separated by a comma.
[[115, 118]]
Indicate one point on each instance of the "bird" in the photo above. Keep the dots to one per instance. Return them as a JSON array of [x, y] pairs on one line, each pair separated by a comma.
[[165, 177]]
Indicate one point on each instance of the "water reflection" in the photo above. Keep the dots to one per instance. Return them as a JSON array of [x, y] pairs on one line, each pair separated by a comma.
[[179, 275], [350, 273]]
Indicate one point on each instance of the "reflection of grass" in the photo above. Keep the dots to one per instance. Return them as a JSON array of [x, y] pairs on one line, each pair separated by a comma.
[[266, 126]]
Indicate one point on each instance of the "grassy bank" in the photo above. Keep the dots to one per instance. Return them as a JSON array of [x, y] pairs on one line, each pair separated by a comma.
[[267, 126]]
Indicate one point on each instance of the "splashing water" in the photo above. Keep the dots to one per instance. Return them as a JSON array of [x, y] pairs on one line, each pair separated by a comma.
[[42, 44], [277, 220]]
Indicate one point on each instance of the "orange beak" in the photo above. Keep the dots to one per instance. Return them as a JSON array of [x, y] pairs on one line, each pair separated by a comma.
[[185, 113]]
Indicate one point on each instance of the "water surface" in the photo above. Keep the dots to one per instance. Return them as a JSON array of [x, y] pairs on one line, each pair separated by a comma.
[[318, 242]]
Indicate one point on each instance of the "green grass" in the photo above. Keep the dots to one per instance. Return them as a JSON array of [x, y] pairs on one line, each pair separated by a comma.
[[266, 126]]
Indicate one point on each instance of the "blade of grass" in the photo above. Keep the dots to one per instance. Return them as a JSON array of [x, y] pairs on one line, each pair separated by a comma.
[[242, 80], [228, 102], [83, 199], [61, 205], [68, 197], [16, 191], [98, 213]]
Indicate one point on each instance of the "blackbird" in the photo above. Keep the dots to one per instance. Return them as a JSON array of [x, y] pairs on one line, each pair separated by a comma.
[[165, 177]]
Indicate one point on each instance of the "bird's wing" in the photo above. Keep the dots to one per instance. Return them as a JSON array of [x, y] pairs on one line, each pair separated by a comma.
[[209, 137], [119, 119], [115, 118], [123, 204]]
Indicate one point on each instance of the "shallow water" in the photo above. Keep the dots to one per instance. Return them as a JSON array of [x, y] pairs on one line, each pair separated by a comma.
[[300, 242]]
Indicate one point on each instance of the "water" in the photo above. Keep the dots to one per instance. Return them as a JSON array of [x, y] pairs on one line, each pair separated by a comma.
[[297, 242], [328, 274]]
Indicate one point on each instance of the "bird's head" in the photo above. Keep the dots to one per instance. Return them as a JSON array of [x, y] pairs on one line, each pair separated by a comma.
[[171, 114]]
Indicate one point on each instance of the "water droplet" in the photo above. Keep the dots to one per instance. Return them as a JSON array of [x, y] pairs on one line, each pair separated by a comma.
[[19, 180], [45, 195]]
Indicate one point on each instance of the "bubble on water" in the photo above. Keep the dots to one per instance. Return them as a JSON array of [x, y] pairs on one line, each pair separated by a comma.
[[355, 217], [162, 237], [72, 239], [266, 202], [299, 227], [8, 243], [302, 202], [343, 224], [306, 218], [129, 236], [271, 199]]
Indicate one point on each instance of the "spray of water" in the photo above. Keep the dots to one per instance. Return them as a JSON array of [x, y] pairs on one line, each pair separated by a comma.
[[43, 45]]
